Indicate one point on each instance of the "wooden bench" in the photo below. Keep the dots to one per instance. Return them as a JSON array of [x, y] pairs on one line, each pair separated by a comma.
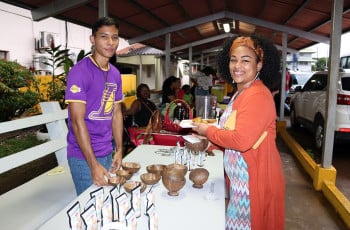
[[33, 203]]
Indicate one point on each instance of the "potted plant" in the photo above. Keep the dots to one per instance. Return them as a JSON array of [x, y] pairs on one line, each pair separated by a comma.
[[60, 63]]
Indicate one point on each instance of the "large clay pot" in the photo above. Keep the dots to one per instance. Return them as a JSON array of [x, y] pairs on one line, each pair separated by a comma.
[[173, 181]]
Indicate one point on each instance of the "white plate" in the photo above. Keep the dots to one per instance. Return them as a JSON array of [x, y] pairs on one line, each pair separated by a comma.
[[186, 124]]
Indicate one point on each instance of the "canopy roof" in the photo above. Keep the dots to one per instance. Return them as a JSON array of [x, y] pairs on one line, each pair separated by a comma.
[[199, 23]]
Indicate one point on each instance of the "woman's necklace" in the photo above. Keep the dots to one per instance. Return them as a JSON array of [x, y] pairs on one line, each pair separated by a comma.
[[238, 92]]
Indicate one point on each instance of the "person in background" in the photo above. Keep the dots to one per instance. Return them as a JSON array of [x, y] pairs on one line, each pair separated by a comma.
[[204, 82], [142, 108], [188, 97], [169, 89], [247, 135], [93, 94], [288, 81]]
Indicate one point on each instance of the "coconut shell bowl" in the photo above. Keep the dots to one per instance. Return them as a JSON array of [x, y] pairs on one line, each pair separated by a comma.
[[199, 176], [178, 167], [198, 146], [150, 178], [130, 185], [173, 181], [156, 169], [132, 167], [124, 173], [115, 180]]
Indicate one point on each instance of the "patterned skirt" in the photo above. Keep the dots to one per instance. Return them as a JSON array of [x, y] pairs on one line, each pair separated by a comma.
[[238, 210]]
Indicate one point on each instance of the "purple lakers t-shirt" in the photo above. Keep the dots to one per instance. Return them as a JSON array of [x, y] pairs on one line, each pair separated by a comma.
[[99, 90]]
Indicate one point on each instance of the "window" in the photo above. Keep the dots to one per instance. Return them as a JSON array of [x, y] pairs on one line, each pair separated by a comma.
[[345, 82], [317, 82], [3, 54]]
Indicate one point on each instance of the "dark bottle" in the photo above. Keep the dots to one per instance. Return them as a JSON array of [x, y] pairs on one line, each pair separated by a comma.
[[180, 112]]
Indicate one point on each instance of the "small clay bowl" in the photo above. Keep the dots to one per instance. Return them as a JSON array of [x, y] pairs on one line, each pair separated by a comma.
[[131, 167], [156, 169], [178, 167], [115, 180], [199, 176], [124, 173], [130, 185], [150, 178]]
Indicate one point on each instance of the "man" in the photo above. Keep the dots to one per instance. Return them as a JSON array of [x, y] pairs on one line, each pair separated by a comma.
[[93, 94], [204, 82]]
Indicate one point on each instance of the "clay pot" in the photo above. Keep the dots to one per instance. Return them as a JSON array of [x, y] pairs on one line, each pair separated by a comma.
[[132, 167], [173, 180], [199, 176], [150, 178], [178, 167]]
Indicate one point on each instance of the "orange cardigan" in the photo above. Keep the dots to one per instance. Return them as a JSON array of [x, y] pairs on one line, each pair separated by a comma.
[[255, 114]]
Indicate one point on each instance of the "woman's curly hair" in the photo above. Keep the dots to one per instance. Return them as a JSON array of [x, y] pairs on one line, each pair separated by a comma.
[[270, 71]]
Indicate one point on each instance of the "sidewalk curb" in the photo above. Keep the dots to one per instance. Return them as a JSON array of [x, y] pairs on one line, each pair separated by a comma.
[[323, 178]]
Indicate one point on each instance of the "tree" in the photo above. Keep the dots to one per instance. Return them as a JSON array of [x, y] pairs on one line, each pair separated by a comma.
[[321, 64], [18, 90]]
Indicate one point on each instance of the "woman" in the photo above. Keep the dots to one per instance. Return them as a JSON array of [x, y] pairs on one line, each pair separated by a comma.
[[247, 134], [142, 108], [170, 89]]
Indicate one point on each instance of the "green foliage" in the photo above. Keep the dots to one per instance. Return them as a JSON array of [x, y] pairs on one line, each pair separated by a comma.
[[321, 64], [17, 144], [59, 59], [82, 54], [13, 100], [130, 93]]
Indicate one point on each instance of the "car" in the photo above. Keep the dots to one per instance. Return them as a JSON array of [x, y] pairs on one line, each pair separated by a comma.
[[308, 107], [345, 63], [299, 79]]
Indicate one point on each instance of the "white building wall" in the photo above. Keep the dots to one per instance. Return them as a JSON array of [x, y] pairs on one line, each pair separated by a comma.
[[19, 33], [16, 33]]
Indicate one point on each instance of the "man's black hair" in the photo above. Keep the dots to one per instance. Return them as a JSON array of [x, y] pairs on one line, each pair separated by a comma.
[[105, 21]]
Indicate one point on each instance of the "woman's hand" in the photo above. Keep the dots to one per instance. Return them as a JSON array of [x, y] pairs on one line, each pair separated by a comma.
[[200, 128]]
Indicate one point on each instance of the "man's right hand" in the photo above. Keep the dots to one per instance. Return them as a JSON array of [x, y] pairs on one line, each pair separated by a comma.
[[99, 175]]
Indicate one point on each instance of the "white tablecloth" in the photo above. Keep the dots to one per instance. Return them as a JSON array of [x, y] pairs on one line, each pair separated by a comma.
[[190, 210]]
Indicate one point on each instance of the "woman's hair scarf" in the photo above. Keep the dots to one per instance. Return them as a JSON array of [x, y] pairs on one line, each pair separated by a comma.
[[249, 43]]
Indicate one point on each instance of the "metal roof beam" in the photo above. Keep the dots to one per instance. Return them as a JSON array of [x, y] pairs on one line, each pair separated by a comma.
[[56, 7], [234, 16], [200, 42], [277, 27], [177, 27]]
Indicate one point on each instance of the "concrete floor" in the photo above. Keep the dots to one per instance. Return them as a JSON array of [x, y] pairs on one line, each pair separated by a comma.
[[305, 207]]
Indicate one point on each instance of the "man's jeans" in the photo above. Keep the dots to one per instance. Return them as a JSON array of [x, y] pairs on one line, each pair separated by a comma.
[[81, 174]]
